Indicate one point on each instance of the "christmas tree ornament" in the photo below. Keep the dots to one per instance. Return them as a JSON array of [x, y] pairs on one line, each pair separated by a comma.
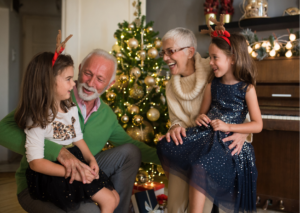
[[119, 55], [142, 54], [160, 169], [137, 120], [149, 81], [162, 99], [142, 176], [153, 114], [123, 78], [168, 125], [133, 109], [157, 137], [149, 29], [157, 43], [135, 71], [136, 92], [125, 119], [141, 133], [152, 52], [133, 43], [130, 26], [117, 110], [116, 47], [110, 96]]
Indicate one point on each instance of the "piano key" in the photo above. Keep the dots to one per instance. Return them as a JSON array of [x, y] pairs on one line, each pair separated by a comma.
[[281, 117]]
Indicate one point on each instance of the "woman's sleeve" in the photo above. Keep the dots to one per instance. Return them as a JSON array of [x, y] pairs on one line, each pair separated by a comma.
[[76, 125], [249, 138], [34, 143]]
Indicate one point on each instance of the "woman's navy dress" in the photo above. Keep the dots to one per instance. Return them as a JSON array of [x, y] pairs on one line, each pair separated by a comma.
[[206, 163]]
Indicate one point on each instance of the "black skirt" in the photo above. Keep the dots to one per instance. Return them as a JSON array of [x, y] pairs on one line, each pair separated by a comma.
[[59, 191]]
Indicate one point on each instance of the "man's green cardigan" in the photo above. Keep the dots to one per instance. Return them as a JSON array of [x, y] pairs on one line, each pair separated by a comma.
[[101, 126]]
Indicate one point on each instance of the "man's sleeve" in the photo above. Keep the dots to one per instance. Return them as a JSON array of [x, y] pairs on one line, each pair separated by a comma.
[[13, 138], [120, 137]]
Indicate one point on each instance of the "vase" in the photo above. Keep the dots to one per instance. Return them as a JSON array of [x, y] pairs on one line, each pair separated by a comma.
[[256, 9], [210, 15], [227, 18]]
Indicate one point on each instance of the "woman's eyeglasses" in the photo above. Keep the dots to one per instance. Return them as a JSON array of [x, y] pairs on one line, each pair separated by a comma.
[[170, 52]]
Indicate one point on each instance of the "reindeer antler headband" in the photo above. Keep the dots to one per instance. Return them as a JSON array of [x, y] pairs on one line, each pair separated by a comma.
[[59, 46], [219, 29]]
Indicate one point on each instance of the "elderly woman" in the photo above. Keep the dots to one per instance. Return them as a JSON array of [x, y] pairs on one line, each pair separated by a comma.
[[184, 96]]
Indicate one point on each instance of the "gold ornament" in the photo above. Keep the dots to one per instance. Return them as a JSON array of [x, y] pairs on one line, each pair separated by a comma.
[[135, 71], [149, 29], [157, 137], [137, 120], [136, 92], [130, 26], [157, 43], [123, 78], [142, 176], [165, 82], [111, 96], [117, 110], [152, 52], [168, 125], [162, 99], [125, 119], [133, 109], [142, 54], [116, 47], [141, 133], [153, 114], [149, 81], [119, 55], [133, 43], [160, 169], [137, 22]]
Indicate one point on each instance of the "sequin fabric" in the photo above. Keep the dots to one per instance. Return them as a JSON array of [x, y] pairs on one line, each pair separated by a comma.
[[62, 131], [205, 162]]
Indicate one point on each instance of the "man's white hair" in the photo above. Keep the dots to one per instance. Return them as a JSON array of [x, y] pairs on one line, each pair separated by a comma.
[[104, 54], [182, 37]]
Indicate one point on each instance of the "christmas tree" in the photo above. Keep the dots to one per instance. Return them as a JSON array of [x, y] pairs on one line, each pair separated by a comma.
[[138, 96]]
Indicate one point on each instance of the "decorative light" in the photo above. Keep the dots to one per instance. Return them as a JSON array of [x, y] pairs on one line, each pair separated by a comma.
[[288, 45], [276, 46], [122, 36], [288, 53], [249, 49], [257, 46], [254, 54], [264, 44], [292, 37], [272, 52]]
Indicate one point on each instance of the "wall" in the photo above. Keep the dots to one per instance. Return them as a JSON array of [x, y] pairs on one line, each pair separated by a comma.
[[169, 14], [93, 24]]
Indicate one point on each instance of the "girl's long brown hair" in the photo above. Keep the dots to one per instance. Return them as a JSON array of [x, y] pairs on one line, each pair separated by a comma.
[[37, 91], [244, 67]]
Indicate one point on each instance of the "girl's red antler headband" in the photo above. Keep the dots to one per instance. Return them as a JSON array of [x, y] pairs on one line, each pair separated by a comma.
[[59, 46], [219, 29]]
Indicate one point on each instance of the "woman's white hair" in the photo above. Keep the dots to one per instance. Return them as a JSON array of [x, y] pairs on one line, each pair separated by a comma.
[[104, 54], [182, 37]]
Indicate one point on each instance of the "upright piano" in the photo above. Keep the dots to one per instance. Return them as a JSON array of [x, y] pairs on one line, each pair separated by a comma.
[[277, 146]]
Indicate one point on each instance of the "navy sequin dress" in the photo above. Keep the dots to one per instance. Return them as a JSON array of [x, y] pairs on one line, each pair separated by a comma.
[[206, 163]]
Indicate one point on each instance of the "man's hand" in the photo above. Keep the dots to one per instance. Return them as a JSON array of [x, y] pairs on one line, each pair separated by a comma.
[[175, 132], [89, 176], [219, 125], [202, 120], [238, 142], [73, 165]]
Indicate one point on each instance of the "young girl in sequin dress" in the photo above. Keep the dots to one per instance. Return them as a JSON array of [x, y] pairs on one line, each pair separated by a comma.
[[46, 111], [204, 160]]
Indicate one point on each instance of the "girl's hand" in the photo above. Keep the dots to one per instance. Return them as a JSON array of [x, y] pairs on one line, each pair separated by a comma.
[[176, 133], [219, 125], [238, 140], [202, 120], [88, 176], [94, 166]]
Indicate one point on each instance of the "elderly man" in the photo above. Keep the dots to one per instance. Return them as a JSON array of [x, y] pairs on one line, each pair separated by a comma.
[[99, 125]]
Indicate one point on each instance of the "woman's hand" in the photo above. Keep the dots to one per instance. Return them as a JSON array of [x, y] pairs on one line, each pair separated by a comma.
[[175, 133], [94, 166], [202, 119], [219, 125], [238, 140]]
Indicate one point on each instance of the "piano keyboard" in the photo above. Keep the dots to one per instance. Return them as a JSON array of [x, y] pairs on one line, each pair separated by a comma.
[[281, 117]]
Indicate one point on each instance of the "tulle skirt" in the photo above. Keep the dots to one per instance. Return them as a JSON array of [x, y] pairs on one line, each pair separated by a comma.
[[59, 191], [206, 163]]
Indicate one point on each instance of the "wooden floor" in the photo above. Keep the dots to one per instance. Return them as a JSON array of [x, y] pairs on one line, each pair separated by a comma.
[[8, 194]]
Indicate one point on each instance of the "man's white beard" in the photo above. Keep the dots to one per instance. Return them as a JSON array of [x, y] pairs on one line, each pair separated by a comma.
[[85, 96]]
